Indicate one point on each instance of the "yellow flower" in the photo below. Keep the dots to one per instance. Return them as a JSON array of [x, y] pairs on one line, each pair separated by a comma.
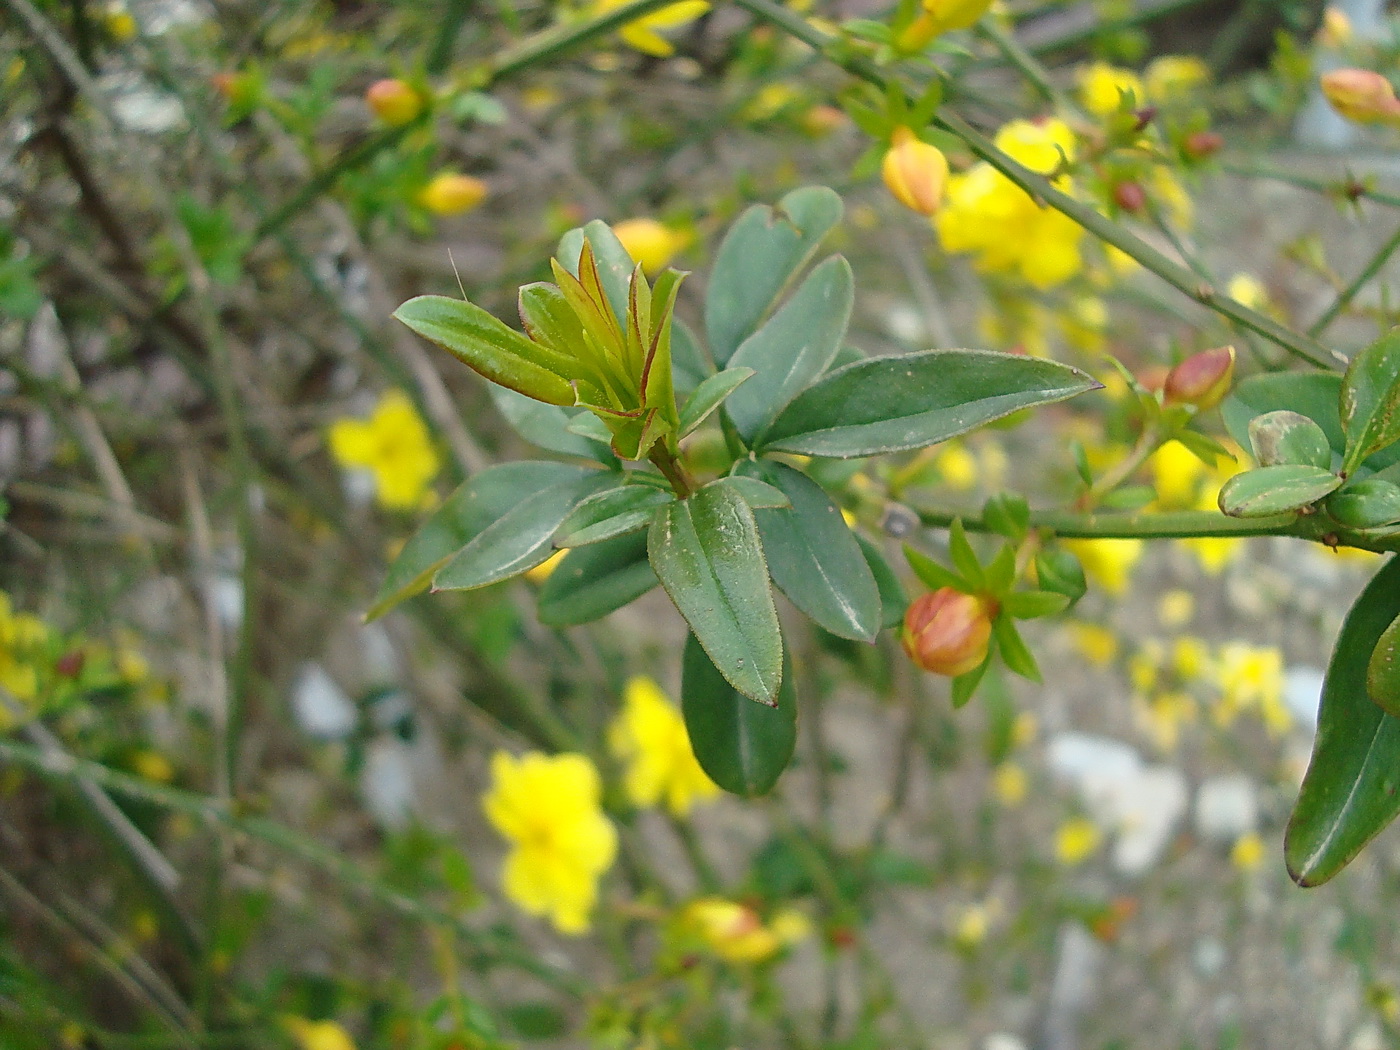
[[1102, 88], [1176, 607], [394, 446], [1176, 475], [1190, 658], [1248, 290], [971, 927], [1109, 563], [318, 1035], [1248, 852], [1009, 784], [545, 569], [1250, 678], [941, 16], [1173, 77], [1164, 715], [449, 193], [548, 807], [1336, 30], [642, 34], [957, 466], [1076, 840], [1096, 644], [24, 640], [988, 216], [651, 243], [915, 172], [737, 934], [152, 765], [649, 736], [119, 22]]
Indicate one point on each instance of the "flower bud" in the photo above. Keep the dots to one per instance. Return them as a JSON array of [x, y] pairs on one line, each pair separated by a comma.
[[450, 194], [956, 14], [1201, 380], [915, 172], [1362, 96], [1202, 144], [393, 101], [1130, 197], [947, 632]]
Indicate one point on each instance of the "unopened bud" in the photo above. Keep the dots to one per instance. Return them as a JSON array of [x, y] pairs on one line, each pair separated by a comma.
[[1130, 197], [1362, 96], [394, 101], [449, 194], [1201, 380], [947, 632], [1202, 144], [70, 664], [915, 172]]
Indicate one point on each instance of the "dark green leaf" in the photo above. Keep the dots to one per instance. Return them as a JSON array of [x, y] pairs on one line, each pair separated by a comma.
[[1284, 436], [708, 396], [1370, 400], [893, 600], [889, 404], [1268, 491], [742, 746], [707, 554], [1312, 394], [759, 495], [1383, 671], [1370, 503], [547, 426], [689, 363], [759, 256], [489, 347], [477, 503], [1350, 791], [793, 348], [814, 557], [520, 539], [626, 508], [590, 582]]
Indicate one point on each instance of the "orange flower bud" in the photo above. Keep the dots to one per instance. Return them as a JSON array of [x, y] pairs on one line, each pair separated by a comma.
[[915, 172], [394, 101], [1130, 196], [449, 194], [1362, 96], [947, 632], [1202, 379], [1201, 144]]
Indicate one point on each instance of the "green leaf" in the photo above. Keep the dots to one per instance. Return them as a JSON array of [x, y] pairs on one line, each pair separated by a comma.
[[813, 556], [1267, 491], [742, 746], [890, 404], [548, 426], [490, 348], [477, 503], [1057, 570], [613, 512], [1311, 394], [758, 258], [1284, 436], [1014, 650], [1383, 670], [708, 396], [1203, 447], [1028, 605], [689, 363], [1370, 503], [934, 576], [520, 539], [965, 559], [707, 554], [590, 582], [1129, 497], [893, 600], [793, 348], [1370, 400], [1350, 791], [1009, 515], [614, 264], [759, 495]]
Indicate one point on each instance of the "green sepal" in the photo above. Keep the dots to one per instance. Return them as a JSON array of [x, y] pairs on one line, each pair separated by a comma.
[[965, 559], [1014, 651], [931, 574], [1029, 605], [965, 685]]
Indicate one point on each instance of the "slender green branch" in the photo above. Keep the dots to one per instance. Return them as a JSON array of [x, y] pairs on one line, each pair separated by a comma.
[[1029, 66], [1347, 294], [1352, 188], [1041, 189], [557, 40]]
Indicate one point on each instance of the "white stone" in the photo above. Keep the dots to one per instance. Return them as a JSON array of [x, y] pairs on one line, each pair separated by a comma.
[[1226, 808], [320, 706], [1003, 1041], [386, 782]]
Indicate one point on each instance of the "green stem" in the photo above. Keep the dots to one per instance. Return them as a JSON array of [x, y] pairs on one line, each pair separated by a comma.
[[1349, 189], [672, 469], [1347, 294], [1041, 189], [550, 43], [1012, 50], [1146, 444]]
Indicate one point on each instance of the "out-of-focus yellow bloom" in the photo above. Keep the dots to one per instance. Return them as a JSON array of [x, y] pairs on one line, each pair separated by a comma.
[[957, 466], [1163, 715], [394, 101], [1009, 784], [548, 807], [1176, 607], [24, 639], [449, 193], [1109, 563], [1250, 678], [545, 569], [650, 738], [1248, 290], [1084, 322], [1248, 852], [941, 16], [1102, 88], [988, 216], [1177, 475], [394, 446], [1018, 323], [1145, 665], [318, 1035], [972, 926], [1169, 191], [1095, 643], [1173, 77], [1076, 840], [915, 172], [1190, 658], [119, 23], [737, 934], [1024, 729], [1336, 30], [152, 765], [652, 244], [643, 33], [769, 101]]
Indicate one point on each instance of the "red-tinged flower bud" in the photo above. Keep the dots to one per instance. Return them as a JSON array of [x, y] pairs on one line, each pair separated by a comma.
[[237, 89], [1202, 379], [1143, 117], [1202, 144], [393, 101], [1362, 96], [449, 194], [1130, 197], [915, 172], [947, 632], [70, 664]]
